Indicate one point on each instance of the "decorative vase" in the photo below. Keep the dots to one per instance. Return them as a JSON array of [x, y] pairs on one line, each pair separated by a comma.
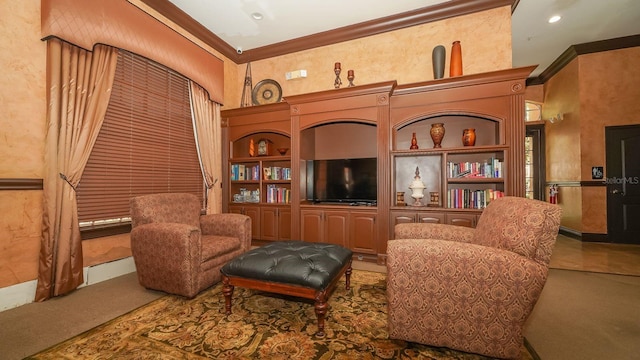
[[469, 137], [438, 58], [437, 133], [417, 189], [414, 142], [455, 65]]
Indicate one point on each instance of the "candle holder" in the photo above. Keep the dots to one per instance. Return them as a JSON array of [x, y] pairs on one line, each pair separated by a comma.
[[338, 82], [350, 77]]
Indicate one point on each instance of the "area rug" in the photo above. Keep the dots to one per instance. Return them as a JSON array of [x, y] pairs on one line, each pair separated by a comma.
[[262, 326]]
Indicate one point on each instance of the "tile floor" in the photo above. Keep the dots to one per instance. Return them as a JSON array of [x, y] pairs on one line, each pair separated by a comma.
[[573, 254]]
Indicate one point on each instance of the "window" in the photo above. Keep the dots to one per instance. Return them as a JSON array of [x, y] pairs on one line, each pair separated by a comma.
[[146, 145], [533, 111]]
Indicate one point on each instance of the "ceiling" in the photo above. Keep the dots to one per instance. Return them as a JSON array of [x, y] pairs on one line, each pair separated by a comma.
[[535, 41]]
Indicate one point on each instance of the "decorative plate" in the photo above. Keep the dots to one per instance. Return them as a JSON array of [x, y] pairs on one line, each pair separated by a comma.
[[266, 92]]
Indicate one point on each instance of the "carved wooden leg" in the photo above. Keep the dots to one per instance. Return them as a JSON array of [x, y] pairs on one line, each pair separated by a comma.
[[321, 311], [227, 290], [347, 275]]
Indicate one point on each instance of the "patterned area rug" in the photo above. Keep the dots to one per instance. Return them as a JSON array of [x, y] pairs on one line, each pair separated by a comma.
[[262, 326]]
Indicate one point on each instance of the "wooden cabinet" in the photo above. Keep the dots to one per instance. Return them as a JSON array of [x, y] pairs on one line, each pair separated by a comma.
[[463, 177], [379, 120], [259, 184], [275, 222], [363, 232], [460, 219], [354, 229], [325, 226], [408, 216], [252, 211]]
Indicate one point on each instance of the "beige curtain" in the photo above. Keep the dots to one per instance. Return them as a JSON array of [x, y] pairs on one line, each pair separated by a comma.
[[206, 127], [79, 86]]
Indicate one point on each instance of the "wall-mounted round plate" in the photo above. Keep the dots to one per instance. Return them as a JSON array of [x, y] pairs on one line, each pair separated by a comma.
[[266, 92]]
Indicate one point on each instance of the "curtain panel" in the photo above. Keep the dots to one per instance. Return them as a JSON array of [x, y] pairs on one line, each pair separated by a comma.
[[206, 127], [78, 91]]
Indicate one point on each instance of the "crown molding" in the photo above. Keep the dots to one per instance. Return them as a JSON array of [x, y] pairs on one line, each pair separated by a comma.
[[581, 49], [420, 16]]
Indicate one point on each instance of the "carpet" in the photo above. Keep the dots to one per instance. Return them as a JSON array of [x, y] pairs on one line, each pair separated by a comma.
[[262, 326]]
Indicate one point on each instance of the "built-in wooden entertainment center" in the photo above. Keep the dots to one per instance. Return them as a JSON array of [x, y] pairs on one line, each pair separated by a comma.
[[376, 120]]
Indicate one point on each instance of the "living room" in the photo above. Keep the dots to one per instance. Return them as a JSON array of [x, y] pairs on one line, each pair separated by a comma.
[[581, 91]]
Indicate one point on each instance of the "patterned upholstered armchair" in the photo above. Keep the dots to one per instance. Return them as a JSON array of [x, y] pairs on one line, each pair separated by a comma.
[[179, 251], [471, 289]]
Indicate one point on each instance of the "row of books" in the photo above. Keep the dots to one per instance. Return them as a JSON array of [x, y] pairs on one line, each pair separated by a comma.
[[471, 199], [241, 172], [277, 173], [490, 168], [277, 194]]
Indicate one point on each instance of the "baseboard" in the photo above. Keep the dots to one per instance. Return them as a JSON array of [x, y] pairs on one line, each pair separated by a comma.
[[24, 293], [584, 237]]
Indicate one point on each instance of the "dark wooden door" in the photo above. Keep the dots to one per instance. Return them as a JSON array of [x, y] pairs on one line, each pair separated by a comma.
[[623, 183]]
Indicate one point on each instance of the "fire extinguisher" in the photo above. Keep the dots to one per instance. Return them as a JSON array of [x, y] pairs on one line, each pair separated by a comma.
[[553, 193]]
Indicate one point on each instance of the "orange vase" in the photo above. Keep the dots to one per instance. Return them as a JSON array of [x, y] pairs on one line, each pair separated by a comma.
[[469, 137], [455, 65]]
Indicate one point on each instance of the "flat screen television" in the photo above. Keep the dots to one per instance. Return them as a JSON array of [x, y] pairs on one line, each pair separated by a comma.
[[344, 180]]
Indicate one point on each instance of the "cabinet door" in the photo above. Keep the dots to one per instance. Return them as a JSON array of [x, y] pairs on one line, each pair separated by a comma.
[[363, 231], [311, 225], [400, 217], [269, 222], [235, 209], [284, 224], [429, 217], [336, 227], [254, 213], [468, 220]]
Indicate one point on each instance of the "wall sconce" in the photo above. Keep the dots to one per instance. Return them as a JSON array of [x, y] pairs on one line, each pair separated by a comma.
[[559, 117]]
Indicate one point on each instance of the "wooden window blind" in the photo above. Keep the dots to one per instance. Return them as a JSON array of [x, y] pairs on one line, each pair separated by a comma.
[[146, 144]]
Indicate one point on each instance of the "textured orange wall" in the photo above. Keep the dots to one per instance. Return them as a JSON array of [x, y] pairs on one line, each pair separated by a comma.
[[22, 132], [593, 91], [403, 55], [609, 95], [561, 95]]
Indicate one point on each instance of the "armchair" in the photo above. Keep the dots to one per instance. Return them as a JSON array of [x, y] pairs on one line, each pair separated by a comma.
[[471, 289], [179, 251]]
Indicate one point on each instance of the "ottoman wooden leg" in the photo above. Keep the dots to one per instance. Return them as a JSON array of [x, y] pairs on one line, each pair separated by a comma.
[[347, 275], [227, 290], [321, 311]]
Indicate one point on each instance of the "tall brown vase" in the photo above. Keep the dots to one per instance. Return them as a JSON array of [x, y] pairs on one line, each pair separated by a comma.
[[455, 65], [437, 133]]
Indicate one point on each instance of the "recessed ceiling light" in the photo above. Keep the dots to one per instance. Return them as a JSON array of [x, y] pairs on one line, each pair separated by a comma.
[[256, 16], [554, 18]]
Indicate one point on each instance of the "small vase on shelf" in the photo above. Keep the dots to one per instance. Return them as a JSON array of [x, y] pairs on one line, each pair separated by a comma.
[[414, 142], [469, 137], [437, 133]]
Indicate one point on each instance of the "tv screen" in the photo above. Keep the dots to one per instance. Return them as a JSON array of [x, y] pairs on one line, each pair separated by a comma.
[[344, 180]]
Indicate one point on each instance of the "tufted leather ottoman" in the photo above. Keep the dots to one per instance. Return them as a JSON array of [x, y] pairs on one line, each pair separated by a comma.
[[296, 268]]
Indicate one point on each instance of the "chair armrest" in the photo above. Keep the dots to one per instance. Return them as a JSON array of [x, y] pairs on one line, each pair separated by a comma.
[[234, 225], [166, 245], [438, 271], [163, 240], [433, 231]]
